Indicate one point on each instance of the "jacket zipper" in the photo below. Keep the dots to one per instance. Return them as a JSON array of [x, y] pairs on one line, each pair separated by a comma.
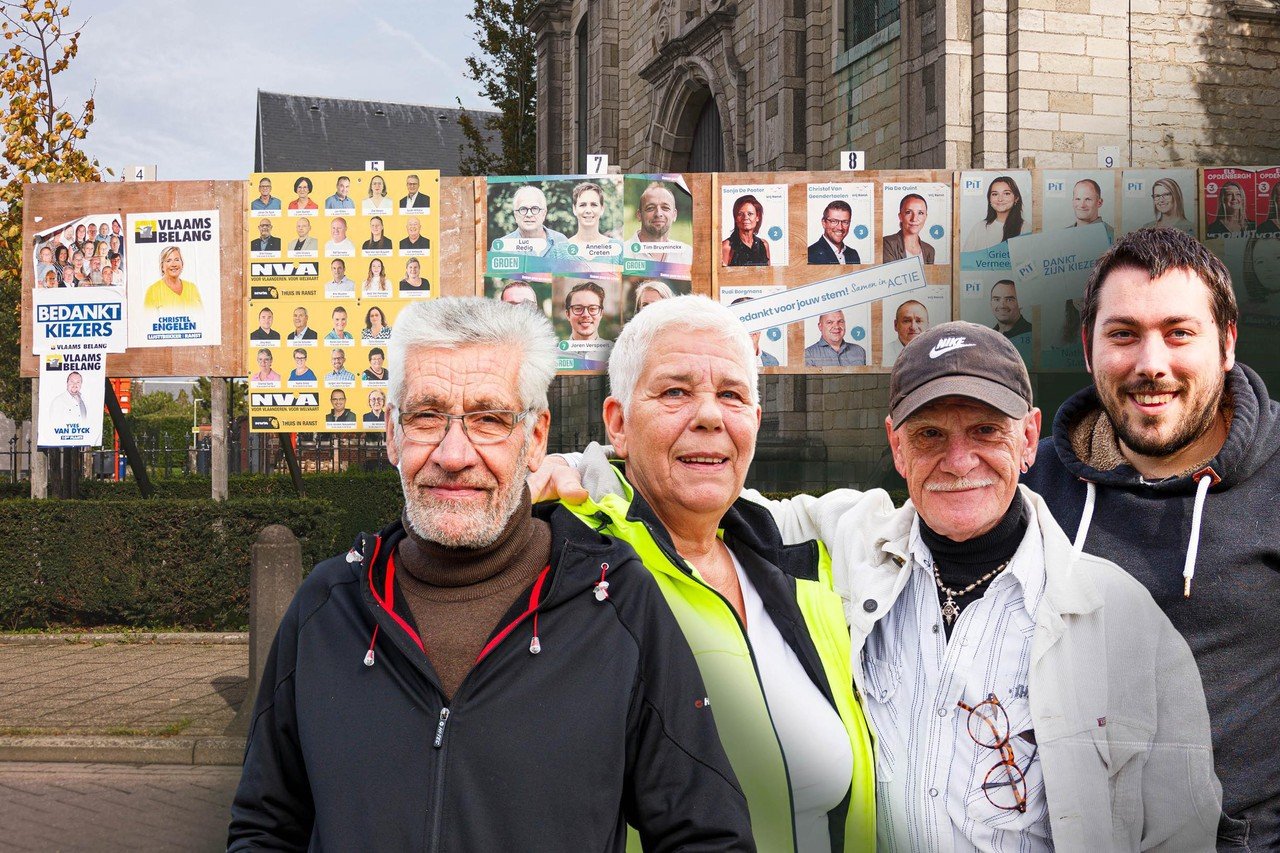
[[678, 561], [438, 802]]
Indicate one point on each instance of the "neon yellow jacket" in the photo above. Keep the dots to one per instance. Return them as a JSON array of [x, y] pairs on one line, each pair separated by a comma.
[[803, 588]]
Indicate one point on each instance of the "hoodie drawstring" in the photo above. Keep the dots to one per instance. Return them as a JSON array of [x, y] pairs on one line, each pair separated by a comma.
[[1204, 479], [1082, 533], [1193, 547]]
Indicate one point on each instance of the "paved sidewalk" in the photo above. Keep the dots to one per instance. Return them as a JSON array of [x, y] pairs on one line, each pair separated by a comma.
[[102, 808], [145, 698]]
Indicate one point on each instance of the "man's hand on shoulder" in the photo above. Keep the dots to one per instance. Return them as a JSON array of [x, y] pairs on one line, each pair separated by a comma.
[[556, 479]]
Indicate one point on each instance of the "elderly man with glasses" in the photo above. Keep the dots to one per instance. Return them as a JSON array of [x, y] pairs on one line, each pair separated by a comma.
[[481, 675], [531, 235], [1023, 696]]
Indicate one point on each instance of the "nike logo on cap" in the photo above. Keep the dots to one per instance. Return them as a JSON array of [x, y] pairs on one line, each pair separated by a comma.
[[946, 345]]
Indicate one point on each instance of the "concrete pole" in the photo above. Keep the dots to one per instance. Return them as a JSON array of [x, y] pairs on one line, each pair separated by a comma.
[[39, 459], [218, 431], [274, 577]]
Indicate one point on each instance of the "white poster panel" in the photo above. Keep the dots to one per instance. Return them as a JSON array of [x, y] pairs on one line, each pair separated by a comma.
[[1160, 198], [754, 221], [909, 315], [845, 291], [88, 319], [175, 279], [912, 213], [770, 343], [72, 388], [1078, 198], [840, 217], [1052, 269]]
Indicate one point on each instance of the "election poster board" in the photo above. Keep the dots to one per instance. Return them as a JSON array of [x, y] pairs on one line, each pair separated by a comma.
[[770, 343], [833, 227], [839, 217], [916, 220], [331, 259], [1051, 269], [757, 225], [1252, 255], [87, 251], [587, 252], [78, 320], [72, 389], [994, 207], [1230, 196], [1160, 198], [910, 314], [175, 279]]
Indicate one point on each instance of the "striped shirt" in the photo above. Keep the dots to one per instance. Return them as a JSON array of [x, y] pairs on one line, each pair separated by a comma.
[[929, 771]]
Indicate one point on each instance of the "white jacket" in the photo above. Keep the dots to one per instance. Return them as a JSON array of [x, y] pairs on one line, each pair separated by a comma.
[[1116, 699]]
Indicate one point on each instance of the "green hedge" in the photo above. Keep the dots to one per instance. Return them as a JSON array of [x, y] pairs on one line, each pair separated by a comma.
[[364, 501], [144, 564]]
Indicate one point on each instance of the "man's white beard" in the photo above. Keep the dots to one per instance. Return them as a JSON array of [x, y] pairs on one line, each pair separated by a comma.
[[432, 519]]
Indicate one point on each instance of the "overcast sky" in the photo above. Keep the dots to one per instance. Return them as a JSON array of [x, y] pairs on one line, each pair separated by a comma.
[[177, 81]]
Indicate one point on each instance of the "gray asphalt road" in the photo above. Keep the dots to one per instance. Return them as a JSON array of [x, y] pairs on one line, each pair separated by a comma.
[[59, 808]]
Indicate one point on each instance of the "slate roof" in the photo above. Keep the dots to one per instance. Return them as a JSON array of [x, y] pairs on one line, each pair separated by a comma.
[[295, 132]]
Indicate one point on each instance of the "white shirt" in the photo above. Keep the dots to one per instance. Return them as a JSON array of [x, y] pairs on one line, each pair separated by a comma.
[[339, 247], [339, 289], [370, 206], [813, 739], [929, 771]]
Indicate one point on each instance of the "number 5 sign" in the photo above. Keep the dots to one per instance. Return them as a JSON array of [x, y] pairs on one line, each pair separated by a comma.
[[853, 161]]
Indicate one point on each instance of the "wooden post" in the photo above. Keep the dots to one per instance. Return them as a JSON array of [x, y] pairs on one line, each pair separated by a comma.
[[218, 437], [39, 461]]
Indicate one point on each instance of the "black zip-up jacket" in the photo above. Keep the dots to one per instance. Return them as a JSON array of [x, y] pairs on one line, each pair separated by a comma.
[[1231, 621], [554, 749]]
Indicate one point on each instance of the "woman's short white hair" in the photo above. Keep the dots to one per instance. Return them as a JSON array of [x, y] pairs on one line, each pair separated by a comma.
[[686, 314], [453, 322]]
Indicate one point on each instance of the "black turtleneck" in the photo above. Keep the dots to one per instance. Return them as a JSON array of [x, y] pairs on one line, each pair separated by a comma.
[[961, 563]]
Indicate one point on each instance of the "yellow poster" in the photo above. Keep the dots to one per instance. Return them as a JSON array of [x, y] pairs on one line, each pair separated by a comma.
[[331, 259]]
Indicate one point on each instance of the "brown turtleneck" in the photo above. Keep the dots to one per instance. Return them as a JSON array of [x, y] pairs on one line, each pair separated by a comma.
[[457, 595]]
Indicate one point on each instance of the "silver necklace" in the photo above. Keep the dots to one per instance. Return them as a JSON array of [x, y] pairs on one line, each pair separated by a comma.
[[950, 610]]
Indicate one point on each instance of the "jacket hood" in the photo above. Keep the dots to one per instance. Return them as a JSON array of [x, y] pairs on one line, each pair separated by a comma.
[[1253, 438]]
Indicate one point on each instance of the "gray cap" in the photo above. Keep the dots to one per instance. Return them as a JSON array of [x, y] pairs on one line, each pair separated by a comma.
[[959, 359]]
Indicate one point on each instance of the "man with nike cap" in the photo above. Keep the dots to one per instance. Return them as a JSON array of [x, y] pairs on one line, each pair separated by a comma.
[[1023, 696]]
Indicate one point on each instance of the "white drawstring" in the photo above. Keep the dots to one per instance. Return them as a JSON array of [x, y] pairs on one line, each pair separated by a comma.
[[1189, 571], [1090, 495]]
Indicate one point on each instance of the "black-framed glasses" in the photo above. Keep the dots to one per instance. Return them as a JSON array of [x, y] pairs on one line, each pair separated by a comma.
[[485, 427], [528, 211], [1005, 784], [579, 310]]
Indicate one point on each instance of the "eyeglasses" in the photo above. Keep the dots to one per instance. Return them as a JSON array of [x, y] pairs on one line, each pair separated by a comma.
[[838, 223], [579, 310], [485, 427], [1005, 785], [528, 211]]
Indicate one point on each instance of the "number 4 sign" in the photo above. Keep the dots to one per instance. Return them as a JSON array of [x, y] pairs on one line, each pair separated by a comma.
[[853, 161]]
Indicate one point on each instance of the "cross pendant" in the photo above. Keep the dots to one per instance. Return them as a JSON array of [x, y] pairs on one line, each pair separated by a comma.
[[949, 610]]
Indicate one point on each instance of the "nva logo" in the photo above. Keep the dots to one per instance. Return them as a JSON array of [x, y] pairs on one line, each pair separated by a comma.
[[287, 270], [278, 399]]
